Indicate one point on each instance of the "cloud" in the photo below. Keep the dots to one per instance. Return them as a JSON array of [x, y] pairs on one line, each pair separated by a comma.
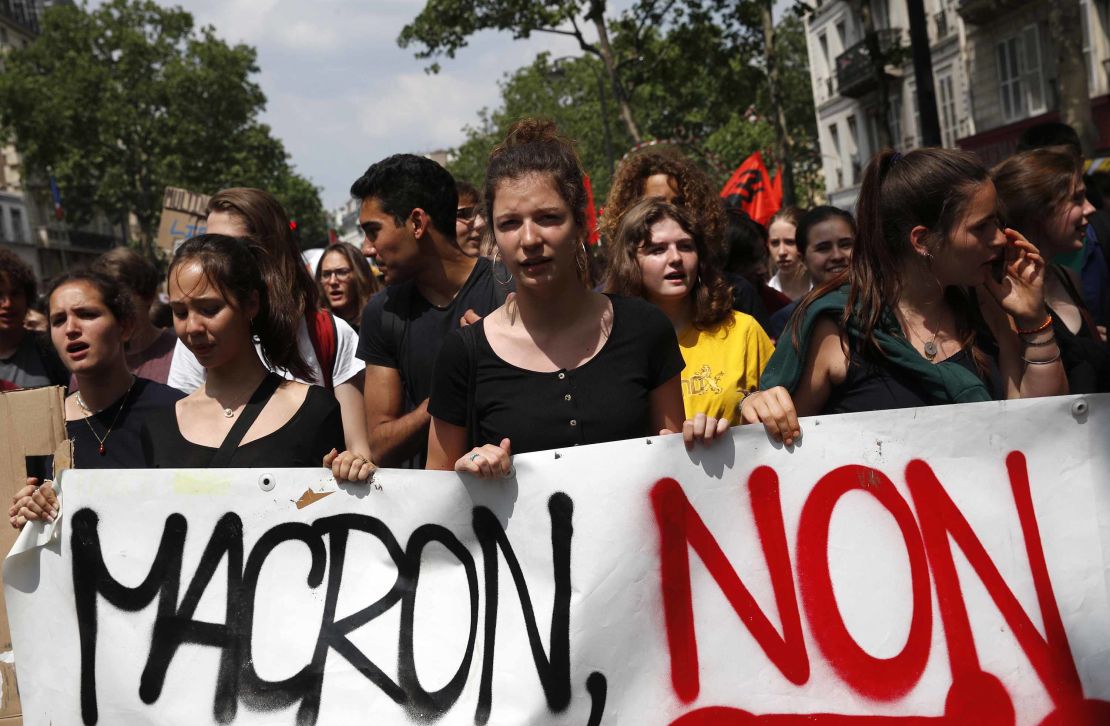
[[341, 93]]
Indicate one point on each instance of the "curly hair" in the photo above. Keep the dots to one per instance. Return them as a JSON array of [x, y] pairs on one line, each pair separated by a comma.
[[694, 188], [712, 294], [20, 275]]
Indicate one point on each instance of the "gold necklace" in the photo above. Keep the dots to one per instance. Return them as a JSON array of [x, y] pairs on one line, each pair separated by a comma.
[[89, 413]]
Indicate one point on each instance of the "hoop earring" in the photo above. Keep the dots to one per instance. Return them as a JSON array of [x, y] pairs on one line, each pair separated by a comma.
[[498, 262]]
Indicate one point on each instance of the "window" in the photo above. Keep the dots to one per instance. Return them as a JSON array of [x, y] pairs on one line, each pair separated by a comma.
[[946, 107], [853, 136], [1021, 84], [894, 118], [824, 41], [17, 224], [838, 165], [912, 135], [841, 35], [880, 14], [941, 24]]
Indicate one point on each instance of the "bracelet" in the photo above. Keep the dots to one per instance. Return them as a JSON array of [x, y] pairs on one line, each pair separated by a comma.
[[740, 406], [1042, 362], [1040, 343], [1043, 326]]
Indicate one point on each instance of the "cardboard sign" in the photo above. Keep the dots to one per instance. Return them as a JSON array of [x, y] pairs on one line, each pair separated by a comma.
[[184, 215], [944, 565], [32, 443]]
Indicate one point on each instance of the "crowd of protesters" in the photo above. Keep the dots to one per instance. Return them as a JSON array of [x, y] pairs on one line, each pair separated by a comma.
[[474, 324]]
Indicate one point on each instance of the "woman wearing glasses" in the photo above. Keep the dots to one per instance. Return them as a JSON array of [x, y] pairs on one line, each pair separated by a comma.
[[346, 282], [470, 227]]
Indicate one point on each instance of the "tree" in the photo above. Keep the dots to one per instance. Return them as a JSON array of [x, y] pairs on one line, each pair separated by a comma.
[[445, 26], [693, 85], [122, 101]]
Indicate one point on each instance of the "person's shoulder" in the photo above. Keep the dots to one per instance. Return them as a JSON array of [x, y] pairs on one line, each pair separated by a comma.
[[637, 313], [319, 401], [157, 393]]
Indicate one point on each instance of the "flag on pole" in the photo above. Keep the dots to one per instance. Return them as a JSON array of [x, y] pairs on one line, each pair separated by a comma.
[[750, 188], [591, 212], [56, 194]]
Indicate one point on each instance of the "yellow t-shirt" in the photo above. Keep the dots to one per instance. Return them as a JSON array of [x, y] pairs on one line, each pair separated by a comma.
[[721, 364]]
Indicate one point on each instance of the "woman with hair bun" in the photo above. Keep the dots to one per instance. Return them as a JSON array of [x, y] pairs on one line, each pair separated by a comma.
[[660, 254], [243, 415], [940, 304], [559, 365], [1043, 195]]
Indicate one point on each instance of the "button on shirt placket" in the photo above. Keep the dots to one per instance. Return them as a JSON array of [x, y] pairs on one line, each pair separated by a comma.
[[570, 406]]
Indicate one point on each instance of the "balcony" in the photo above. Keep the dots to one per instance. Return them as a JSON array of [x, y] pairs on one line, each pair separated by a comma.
[[21, 13], [854, 72], [981, 12]]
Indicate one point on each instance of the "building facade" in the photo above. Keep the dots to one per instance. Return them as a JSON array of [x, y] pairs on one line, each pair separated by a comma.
[[993, 75]]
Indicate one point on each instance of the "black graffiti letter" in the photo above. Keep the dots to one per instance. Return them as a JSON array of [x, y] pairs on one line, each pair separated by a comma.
[[257, 693], [175, 626], [421, 704], [554, 673], [91, 578]]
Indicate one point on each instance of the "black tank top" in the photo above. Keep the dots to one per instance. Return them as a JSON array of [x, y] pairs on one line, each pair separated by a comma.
[[872, 386], [1086, 358]]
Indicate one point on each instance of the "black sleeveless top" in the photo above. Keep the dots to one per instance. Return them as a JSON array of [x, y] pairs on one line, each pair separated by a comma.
[[1086, 358], [872, 386]]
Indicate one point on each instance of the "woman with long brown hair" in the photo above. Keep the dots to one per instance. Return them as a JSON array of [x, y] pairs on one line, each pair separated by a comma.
[[940, 304], [1042, 194], [226, 294], [660, 254], [326, 343], [346, 281], [559, 365]]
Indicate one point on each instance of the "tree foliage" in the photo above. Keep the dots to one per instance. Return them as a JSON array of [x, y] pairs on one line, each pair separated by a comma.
[[121, 101], [698, 80]]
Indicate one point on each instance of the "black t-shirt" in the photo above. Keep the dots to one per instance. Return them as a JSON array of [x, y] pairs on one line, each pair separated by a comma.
[[303, 441], [1085, 357], [123, 445], [604, 399], [402, 330]]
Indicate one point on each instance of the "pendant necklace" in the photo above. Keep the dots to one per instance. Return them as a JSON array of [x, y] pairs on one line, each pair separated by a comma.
[[89, 413]]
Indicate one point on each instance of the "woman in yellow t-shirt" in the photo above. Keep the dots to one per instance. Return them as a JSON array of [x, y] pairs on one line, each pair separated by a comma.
[[659, 253]]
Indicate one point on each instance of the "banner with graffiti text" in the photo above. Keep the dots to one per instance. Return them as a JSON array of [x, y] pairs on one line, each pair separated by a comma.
[[931, 566]]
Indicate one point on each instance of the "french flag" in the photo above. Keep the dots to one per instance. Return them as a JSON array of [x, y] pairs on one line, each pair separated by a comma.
[[56, 194]]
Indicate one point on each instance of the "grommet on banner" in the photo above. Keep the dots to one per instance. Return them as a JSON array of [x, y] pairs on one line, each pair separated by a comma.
[[1079, 407], [267, 482]]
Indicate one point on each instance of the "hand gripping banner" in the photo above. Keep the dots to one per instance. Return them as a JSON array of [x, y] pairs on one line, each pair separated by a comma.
[[931, 566]]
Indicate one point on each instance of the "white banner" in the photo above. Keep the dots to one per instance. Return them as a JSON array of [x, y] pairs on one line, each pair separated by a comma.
[[941, 565]]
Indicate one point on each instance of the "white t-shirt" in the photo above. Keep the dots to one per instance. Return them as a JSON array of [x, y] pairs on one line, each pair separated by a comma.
[[775, 283], [186, 372]]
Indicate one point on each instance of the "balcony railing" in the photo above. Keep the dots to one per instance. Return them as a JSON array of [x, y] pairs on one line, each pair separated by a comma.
[[855, 73], [20, 12]]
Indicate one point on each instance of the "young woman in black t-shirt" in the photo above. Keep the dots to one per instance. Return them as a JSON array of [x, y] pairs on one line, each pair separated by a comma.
[[90, 317], [219, 289], [559, 365]]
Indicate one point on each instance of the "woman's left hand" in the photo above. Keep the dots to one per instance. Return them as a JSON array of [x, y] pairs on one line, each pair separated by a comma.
[[1021, 292], [349, 466], [700, 429]]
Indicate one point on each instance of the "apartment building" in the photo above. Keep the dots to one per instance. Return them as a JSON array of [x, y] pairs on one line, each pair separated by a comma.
[[994, 74]]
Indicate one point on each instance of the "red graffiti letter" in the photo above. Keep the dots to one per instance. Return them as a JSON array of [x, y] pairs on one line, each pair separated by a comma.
[[881, 678], [941, 524], [680, 527]]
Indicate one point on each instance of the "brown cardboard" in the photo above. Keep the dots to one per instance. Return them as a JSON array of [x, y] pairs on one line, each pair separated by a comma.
[[32, 423], [183, 216]]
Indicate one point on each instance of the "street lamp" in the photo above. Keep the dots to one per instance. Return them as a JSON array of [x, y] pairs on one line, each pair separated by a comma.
[[608, 140]]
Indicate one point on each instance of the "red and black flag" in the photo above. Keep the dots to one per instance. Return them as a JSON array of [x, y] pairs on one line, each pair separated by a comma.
[[751, 189]]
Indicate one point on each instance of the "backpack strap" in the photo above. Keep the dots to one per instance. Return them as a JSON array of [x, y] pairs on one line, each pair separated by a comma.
[[324, 336], [261, 396]]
